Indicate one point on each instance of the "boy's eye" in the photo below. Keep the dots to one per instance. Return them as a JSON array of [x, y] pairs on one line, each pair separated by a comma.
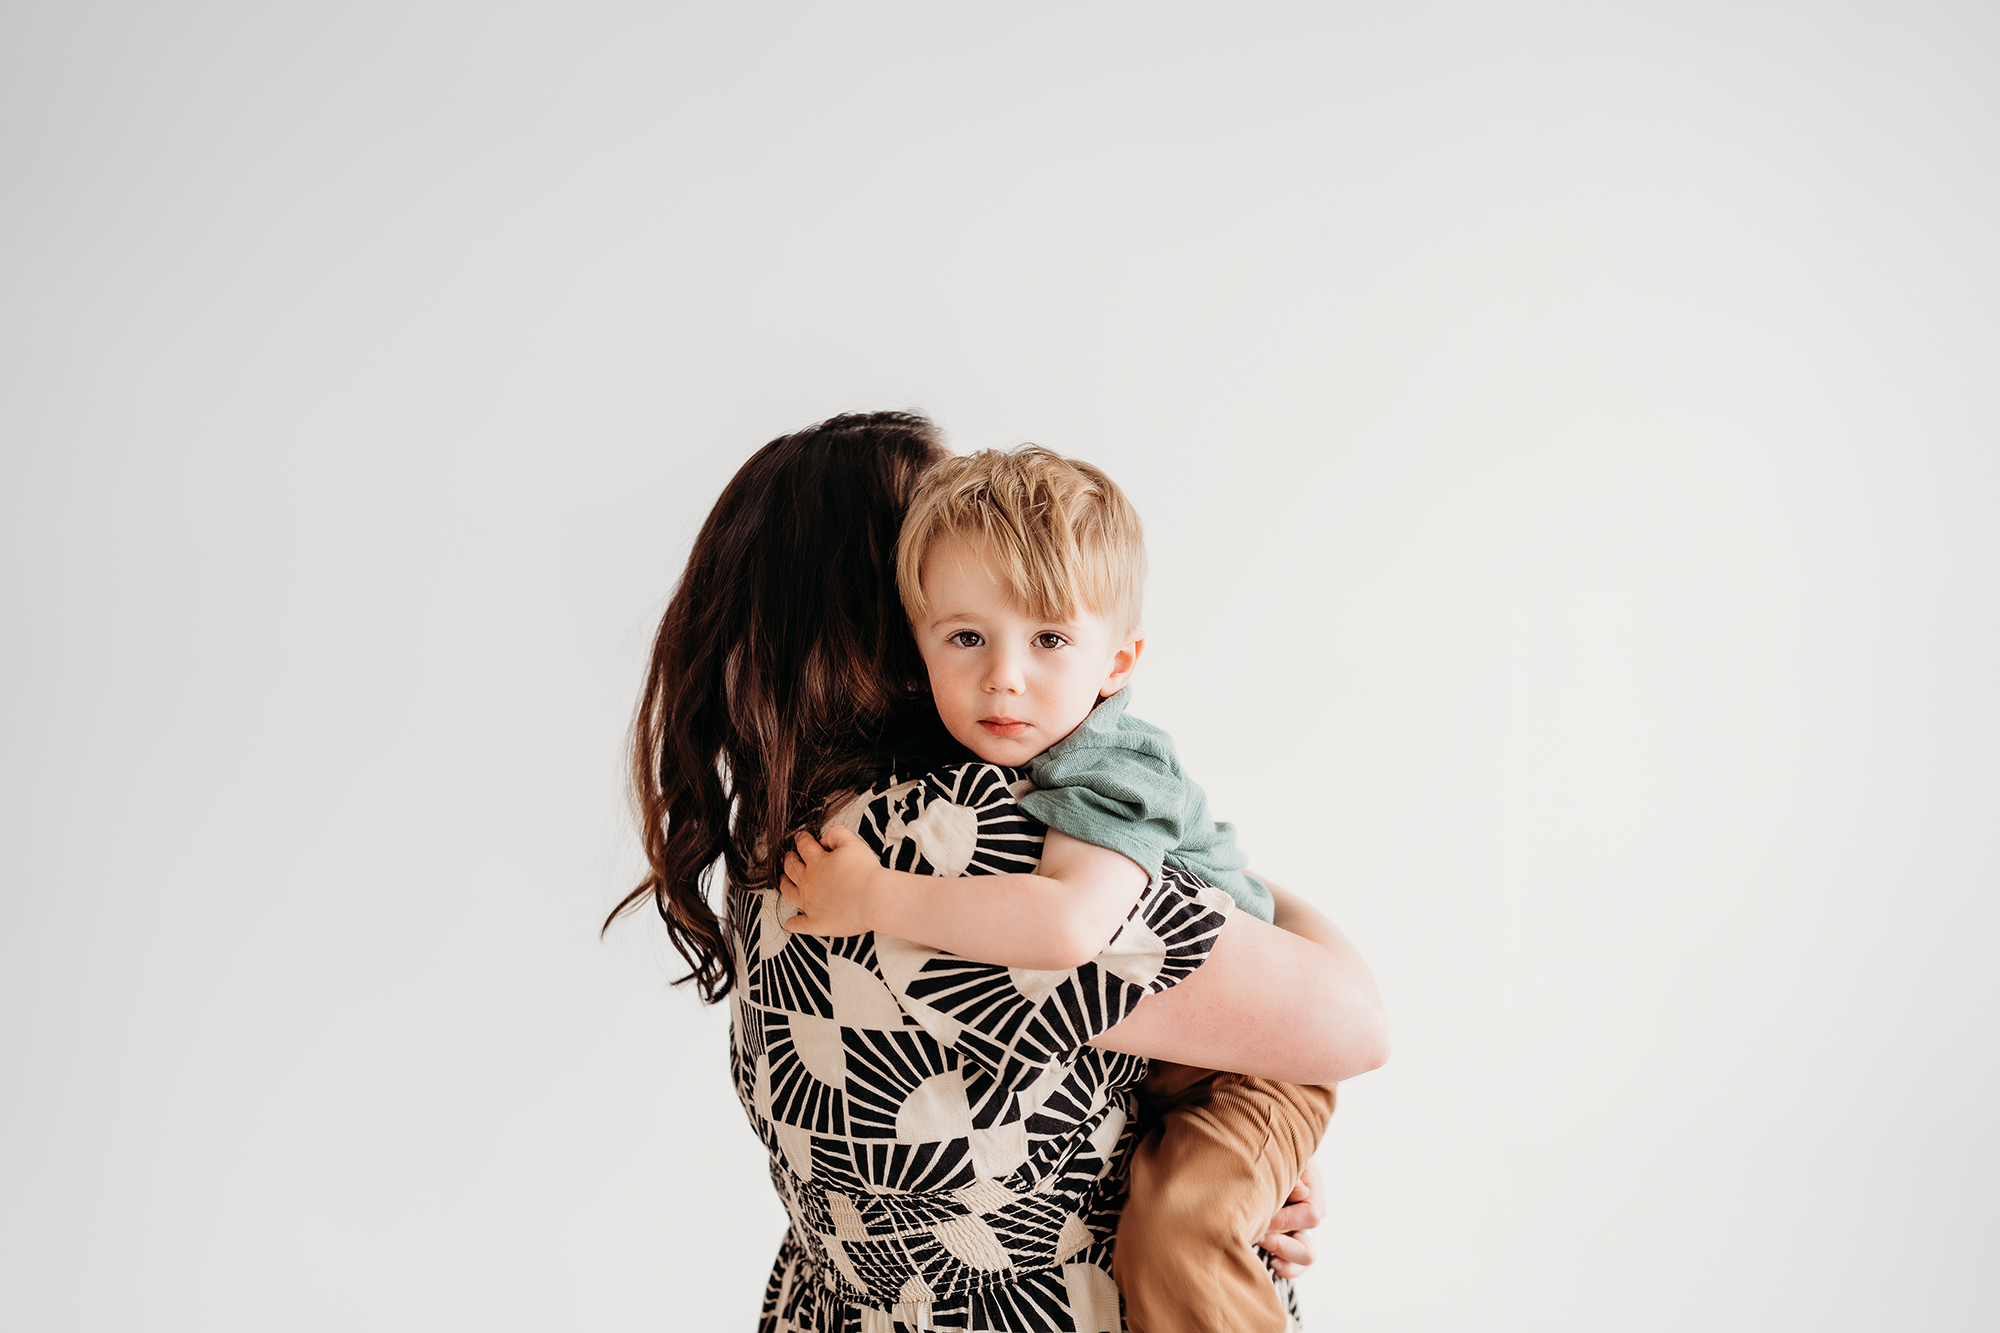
[[1050, 639], [965, 638]]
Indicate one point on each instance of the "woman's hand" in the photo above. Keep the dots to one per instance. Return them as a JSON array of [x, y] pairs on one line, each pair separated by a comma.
[[1289, 1241], [830, 884]]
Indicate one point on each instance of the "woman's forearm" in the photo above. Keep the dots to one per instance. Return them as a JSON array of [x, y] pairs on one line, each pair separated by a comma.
[[1294, 914], [1301, 1006]]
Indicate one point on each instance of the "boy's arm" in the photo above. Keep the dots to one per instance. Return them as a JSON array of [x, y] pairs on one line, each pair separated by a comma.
[[1053, 920]]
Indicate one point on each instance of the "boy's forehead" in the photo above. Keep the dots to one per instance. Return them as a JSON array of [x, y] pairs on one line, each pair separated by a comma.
[[982, 582], [967, 554]]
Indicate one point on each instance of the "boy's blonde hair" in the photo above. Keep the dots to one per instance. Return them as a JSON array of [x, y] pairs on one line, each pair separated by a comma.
[[1061, 535]]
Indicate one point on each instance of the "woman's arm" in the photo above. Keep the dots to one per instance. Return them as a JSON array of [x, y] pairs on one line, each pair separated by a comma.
[[1291, 1001]]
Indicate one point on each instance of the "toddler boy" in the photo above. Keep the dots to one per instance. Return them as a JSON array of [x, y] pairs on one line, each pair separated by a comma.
[[1021, 573]]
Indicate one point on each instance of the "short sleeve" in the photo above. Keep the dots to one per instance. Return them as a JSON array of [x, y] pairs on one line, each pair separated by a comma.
[[1126, 799], [1116, 782], [1013, 1022]]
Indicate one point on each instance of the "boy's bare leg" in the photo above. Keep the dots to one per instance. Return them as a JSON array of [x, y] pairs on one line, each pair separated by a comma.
[[1204, 1187]]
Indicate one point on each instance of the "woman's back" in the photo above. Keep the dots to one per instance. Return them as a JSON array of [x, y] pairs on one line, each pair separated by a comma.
[[951, 1151]]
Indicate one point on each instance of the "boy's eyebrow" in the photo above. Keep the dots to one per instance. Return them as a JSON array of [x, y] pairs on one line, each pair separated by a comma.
[[1055, 622]]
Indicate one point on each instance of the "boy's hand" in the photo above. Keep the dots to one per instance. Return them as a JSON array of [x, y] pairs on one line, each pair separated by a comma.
[[830, 884]]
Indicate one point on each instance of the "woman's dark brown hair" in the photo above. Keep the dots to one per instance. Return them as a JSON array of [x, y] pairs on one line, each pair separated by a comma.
[[782, 672]]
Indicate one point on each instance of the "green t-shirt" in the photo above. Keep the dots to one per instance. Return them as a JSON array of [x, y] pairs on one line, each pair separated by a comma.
[[1116, 783]]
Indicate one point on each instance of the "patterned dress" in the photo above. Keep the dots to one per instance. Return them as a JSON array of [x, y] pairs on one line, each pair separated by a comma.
[[952, 1154]]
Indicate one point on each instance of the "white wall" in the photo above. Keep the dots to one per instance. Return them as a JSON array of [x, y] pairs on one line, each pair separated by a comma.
[[1568, 439]]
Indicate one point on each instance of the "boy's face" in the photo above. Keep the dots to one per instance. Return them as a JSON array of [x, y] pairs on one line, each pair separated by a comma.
[[1009, 685]]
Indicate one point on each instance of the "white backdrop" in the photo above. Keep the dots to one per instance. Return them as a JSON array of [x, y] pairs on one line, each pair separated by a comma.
[[1570, 441]]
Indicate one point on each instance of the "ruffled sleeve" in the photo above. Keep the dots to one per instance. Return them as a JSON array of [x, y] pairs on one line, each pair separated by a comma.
[[1013, 1022]]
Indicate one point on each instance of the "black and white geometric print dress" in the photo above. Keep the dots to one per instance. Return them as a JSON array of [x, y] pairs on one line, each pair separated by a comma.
[[951, 1153]]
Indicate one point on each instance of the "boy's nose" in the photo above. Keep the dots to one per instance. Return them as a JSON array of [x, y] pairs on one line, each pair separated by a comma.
[[1003, 675]]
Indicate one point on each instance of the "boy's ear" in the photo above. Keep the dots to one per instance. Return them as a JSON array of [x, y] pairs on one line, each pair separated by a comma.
[[1122, 663]]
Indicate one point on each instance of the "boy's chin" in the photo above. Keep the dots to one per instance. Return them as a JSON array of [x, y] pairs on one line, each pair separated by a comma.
[[1006, 756], [1004, 760]]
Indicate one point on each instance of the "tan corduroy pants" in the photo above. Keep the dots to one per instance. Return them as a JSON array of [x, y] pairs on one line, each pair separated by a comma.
[[1223, 1152]]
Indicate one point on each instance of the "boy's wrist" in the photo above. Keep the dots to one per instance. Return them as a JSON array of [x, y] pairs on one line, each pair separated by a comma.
[[882, 901]]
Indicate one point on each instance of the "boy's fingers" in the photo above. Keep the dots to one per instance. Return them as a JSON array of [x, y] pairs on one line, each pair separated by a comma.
[[807, 848], [837, 836]]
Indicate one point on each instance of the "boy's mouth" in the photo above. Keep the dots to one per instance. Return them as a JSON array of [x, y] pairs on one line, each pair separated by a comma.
[[1003, 726]]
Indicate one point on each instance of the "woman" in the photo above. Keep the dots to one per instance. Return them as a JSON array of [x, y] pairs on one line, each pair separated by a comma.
[[949, 1138]]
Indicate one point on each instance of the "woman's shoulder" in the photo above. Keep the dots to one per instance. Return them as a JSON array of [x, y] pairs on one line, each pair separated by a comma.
[[955, 819]]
